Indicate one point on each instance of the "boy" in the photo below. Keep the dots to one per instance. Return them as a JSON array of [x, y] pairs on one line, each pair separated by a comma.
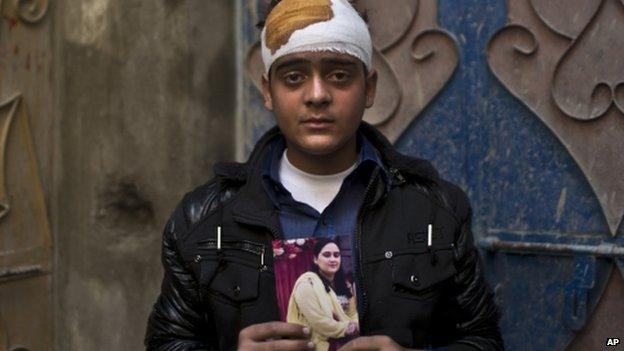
[[322, 172]]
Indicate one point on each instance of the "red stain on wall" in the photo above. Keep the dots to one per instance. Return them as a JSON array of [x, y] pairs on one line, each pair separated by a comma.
[[12, 22]]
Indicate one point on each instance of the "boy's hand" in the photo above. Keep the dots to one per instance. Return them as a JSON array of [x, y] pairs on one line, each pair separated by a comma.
[[275, 336], [372, 343]]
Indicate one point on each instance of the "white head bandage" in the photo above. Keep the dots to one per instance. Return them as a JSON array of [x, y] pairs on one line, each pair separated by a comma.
[[315, 25]]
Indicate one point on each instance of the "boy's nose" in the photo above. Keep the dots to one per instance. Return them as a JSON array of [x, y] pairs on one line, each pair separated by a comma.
[[317, 92]]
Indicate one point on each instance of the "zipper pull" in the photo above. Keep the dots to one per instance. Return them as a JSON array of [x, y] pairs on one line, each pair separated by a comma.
[[222, 263], [429, 235], [263, 266], [434, 255], [218, 238]]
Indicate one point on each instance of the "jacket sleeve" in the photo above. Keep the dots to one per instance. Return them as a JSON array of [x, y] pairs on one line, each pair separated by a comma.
[[177, 321], [474, 315]]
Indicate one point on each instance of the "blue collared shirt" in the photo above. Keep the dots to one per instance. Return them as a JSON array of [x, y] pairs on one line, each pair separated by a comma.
[[299, 220]]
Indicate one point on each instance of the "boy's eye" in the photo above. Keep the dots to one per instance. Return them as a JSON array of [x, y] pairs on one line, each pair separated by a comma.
[[340, 76], [293, 78]]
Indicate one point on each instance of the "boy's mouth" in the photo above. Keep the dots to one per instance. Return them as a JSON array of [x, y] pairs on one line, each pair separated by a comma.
[[317, 122]]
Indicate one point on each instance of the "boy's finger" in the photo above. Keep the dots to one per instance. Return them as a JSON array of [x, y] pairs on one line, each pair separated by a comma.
[[275, 330]]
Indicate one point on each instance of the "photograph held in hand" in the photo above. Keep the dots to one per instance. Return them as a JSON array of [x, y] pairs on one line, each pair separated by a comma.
[[316, 289]]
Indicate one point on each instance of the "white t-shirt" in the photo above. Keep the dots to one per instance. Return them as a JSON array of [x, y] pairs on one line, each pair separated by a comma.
[[318, 191]]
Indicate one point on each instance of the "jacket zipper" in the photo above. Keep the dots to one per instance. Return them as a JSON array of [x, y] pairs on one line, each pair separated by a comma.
[[244, 245], [248, 246], [362, 301]]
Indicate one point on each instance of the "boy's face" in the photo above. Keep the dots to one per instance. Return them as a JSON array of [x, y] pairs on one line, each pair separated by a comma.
[[318, 99]]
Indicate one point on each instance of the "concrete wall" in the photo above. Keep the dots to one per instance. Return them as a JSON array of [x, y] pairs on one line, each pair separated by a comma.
[[145, 98]]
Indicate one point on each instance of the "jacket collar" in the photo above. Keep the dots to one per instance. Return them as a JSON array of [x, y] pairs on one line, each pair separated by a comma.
[[254, 207]]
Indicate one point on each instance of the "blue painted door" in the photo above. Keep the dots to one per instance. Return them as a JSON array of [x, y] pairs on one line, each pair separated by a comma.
[[537, 217]]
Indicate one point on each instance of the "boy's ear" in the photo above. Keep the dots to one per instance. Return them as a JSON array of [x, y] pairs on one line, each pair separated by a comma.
[[371, 87], [266, 92]]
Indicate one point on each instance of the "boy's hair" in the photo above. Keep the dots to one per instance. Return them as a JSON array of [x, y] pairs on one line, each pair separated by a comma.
[[274, 3]]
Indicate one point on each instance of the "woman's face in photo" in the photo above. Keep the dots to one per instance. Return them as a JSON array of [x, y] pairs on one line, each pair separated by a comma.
[[328, 259]]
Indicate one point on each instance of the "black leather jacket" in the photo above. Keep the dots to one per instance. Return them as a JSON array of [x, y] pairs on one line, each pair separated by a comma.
[[420, 296]]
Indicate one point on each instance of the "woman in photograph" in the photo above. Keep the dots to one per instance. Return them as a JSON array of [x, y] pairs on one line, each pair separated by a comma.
[[323, 300]]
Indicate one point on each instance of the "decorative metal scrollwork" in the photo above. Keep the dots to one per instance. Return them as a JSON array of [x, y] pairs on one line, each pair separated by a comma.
[[565, 17], [563, 59], [598, 49]]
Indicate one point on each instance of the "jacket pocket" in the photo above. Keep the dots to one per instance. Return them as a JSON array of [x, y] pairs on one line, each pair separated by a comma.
[[419, 275], [231, 272]]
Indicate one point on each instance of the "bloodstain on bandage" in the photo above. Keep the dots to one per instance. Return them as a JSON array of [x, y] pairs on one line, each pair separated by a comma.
[[291, 15]]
